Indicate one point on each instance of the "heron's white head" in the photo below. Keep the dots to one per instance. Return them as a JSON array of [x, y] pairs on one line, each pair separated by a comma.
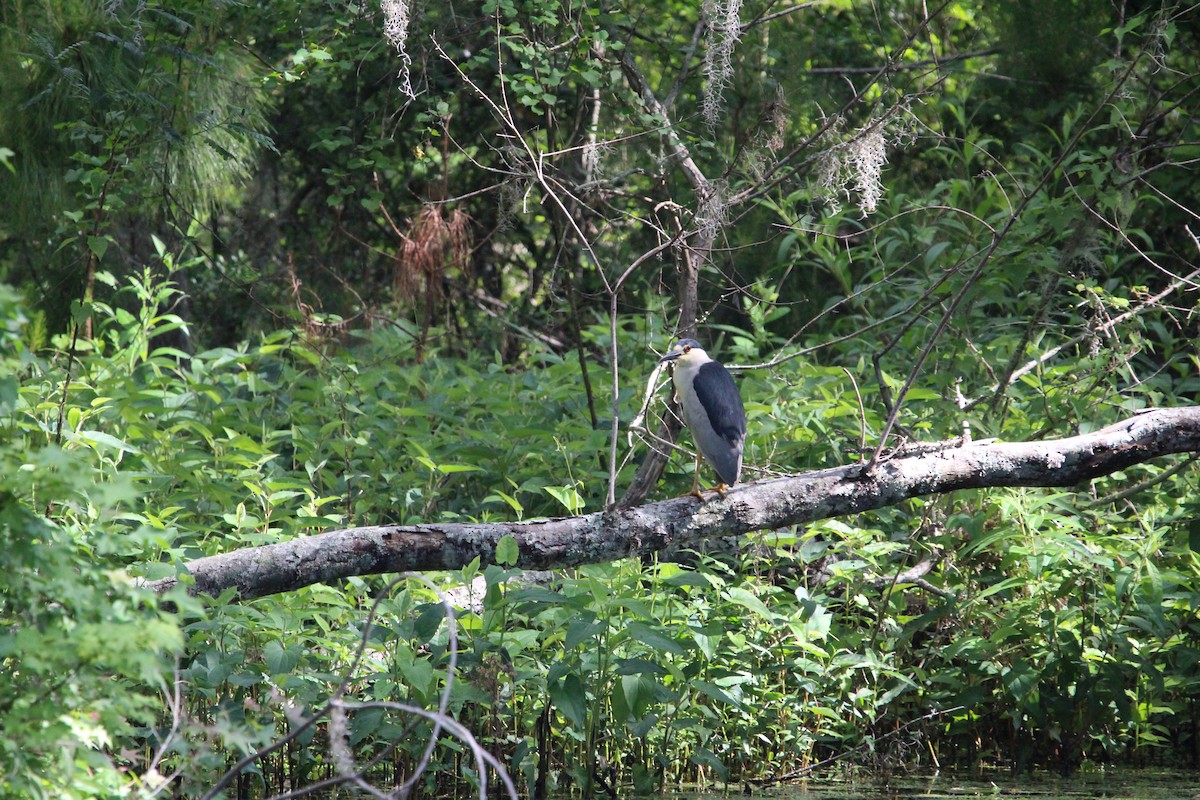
[[686, 353]]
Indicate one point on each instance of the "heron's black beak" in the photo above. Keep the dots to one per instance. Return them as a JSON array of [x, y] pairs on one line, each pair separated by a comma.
[[671, 356]]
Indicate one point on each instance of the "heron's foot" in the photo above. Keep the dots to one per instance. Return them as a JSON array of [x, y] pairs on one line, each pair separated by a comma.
[[698, 493]]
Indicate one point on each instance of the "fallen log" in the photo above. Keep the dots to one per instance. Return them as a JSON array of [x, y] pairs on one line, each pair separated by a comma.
[[686, 522]]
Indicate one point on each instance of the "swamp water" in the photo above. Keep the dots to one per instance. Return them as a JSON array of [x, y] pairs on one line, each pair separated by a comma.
[[1126, 784]]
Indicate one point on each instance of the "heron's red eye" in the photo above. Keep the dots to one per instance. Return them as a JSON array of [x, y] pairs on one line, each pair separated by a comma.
[[687, 348]]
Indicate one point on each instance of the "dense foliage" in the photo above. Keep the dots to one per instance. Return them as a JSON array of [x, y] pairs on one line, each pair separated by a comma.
[[267, 272]]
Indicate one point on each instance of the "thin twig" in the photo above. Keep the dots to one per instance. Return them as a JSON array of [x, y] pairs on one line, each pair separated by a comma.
[[688, 55], [927, 62], [783, 12], [175, 703], [806, 771], [862, 413], [1146, 484], [1140, 308], [614, 293], [778, 172], [974, 277], [335, 704]]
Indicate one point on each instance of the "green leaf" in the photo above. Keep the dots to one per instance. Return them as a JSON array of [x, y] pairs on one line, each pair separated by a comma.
[[512, 502], [281, 660], [746, 600], [80, 311], [428, 622], [580, 631], [98, 245], [450, 469], [570, 699], [418, 673], [9, 391], [704, 757], [653, 638], [95, 438], [934, 253], [636, 666], [689, 579], [365, 723], [568, 496], [536, 594], [633, 695], [245, 678], [715, 692], [507, 551]]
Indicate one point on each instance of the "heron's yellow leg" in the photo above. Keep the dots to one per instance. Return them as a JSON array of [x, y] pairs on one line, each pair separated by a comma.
[[695, 492]]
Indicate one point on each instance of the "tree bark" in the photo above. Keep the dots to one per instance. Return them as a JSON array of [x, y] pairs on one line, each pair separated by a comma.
[[763, 505]]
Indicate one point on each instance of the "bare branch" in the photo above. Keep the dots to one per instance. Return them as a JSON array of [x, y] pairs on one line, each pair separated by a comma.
[[681, 522], [927, 62], [336, 706], [1107, 327], [615, 431], [1142, 486], [1000, 235], [679, 150], [774, 15]]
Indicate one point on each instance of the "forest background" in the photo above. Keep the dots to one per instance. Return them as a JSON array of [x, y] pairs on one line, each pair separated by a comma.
[[270, 270]]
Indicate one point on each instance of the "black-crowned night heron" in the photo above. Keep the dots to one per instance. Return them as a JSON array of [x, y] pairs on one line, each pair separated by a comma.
[[712, 409]]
